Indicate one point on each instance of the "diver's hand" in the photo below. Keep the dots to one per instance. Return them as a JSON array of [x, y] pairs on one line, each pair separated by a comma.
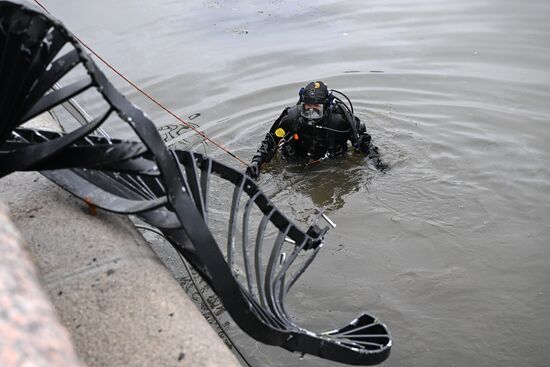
[[374, 154], [253, 170], [364, 143]]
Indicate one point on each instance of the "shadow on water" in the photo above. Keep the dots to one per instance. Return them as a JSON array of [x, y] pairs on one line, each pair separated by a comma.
[[326, 185]]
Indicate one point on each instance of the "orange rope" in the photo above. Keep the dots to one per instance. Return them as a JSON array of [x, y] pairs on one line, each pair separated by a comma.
[[154, 100]]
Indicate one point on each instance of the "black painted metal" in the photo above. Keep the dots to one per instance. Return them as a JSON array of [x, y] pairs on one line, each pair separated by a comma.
[[169, 189]]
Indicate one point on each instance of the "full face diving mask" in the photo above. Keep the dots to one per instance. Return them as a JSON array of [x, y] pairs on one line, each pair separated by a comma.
[[311, 111]]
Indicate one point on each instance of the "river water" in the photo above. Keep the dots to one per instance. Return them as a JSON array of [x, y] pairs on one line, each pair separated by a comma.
[[450, 247]]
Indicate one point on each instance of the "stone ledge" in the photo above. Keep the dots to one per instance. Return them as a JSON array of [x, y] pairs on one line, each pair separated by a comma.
[[30, 332], [121, 305]]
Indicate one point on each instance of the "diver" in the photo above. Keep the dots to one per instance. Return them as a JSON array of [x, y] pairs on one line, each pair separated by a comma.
[[318, 127]]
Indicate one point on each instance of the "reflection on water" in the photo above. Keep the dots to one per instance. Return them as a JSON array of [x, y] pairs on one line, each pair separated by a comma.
[[323, 185], [450, 247]]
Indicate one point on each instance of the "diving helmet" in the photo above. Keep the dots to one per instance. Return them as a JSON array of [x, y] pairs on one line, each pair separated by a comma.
[[313, 100]]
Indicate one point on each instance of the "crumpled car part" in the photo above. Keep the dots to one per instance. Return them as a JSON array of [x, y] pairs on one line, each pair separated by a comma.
[[181, 193]]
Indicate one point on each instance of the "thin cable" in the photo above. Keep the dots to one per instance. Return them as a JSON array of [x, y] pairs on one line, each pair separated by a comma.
[[212, 311], [154, 100], [159, 233]]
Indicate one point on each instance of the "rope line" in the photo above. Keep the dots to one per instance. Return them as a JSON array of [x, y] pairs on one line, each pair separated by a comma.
[[154, 100]]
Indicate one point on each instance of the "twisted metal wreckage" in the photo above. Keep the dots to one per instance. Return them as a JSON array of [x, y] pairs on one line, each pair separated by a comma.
[[171, 190]]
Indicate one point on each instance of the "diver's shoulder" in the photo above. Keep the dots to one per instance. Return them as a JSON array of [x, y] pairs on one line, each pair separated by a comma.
[[290, 112]]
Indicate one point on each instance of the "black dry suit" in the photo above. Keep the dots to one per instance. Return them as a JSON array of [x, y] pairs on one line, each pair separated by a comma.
[[308, 141]]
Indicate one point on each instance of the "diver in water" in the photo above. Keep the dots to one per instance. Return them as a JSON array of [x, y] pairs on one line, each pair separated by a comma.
[[318, 127]]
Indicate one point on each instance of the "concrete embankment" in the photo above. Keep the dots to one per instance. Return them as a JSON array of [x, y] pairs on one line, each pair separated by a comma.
[[121, 305]]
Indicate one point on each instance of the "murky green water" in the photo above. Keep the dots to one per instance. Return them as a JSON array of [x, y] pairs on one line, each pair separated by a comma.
[[451, 247]]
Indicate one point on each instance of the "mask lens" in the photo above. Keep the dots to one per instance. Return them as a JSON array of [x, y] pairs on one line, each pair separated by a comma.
[[311, 111]]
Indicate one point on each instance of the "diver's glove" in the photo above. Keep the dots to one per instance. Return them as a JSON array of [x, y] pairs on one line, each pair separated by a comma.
[[254, 169], [374, 154], [364, 143]]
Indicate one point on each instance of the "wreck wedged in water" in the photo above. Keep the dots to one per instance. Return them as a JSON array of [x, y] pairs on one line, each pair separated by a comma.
[[251, 255]]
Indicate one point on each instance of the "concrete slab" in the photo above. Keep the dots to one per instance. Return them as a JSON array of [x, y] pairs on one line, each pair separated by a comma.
[[119, 302]]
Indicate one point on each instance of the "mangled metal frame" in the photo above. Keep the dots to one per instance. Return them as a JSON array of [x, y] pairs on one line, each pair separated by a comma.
[[168, 189]]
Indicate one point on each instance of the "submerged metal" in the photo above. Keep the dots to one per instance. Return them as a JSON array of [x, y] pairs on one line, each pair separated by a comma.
[[265, 253]]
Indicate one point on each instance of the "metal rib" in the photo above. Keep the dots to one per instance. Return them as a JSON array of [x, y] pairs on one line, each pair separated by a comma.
[[269, 284], [279, 281], [237, 191], [246, 260], [258, 255], [206, 169], [301, 270], [57, 97], [58, 69], [193, 181], [136, 186], [181, 172], [266, 316], [364, 327]]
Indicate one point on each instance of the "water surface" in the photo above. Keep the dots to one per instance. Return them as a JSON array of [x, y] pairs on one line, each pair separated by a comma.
[[451, 247]]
